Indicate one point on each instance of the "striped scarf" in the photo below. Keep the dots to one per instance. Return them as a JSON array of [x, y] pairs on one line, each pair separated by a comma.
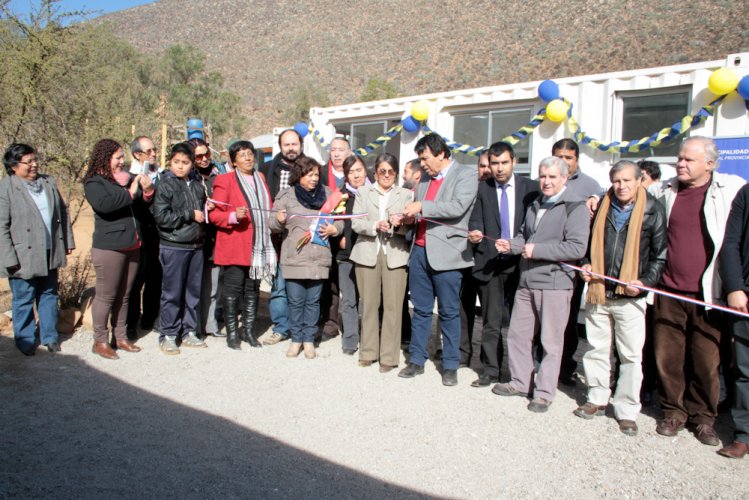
[[263, 254]]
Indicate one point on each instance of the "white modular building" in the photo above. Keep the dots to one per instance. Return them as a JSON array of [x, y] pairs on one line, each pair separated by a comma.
[[618, 106]]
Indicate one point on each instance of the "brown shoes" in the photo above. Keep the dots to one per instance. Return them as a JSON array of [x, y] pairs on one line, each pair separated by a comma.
[[628, 427], [590, 410], [387, 368], [706, 435], [104, 350], [669, 427], [128, 346], [737, 449], [365, 363]]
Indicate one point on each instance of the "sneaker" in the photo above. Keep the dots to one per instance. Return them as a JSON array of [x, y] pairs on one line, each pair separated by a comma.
[[669, 426], [589, 410], [273, 338], [539, 405], [169, 346], [192, 340]]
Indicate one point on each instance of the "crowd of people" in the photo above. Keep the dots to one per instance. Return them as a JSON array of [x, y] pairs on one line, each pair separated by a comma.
[[183, 250]]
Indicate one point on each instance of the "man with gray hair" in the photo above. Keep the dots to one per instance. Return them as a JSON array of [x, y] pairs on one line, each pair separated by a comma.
[[628, 242], [687, 336], [555, 230]]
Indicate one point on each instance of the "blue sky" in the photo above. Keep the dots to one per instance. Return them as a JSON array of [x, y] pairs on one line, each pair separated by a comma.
[[102, 6]]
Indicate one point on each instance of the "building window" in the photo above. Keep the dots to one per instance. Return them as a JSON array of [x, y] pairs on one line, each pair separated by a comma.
[[642, 115], [486, 127]]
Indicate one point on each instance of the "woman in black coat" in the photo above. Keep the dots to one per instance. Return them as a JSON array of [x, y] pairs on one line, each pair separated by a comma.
[[112, 193]]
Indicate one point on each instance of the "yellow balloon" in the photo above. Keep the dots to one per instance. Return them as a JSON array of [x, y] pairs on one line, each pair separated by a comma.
[[420, 110], [723, 81], [556, 110]]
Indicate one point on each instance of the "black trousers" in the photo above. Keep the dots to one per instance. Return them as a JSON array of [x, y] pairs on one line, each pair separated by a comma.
[[497, 296], [148, 280], [571, 333], [468, 293], [740, 409]]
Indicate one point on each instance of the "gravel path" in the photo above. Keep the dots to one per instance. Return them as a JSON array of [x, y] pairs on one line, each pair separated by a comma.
[[219, 423]]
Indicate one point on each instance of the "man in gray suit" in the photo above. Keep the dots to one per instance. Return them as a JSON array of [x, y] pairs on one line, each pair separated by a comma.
[[439, 252]]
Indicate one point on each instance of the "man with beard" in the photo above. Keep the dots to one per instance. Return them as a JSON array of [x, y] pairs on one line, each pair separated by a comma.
[[277, 175], [411, 174]]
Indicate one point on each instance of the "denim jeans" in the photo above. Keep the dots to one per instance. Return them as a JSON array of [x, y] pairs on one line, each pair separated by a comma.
[[304, 308], [278, 304], [426, 284], [43, 291]]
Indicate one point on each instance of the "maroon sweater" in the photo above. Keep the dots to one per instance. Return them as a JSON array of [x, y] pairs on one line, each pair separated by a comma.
[[689, 246]]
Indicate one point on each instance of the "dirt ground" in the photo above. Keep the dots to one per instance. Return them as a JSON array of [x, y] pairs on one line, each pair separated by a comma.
[[219, 423]]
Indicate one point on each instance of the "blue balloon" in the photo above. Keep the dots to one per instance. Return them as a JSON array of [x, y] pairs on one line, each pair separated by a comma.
[[302, 129], [548, 90], [743, 88], [411, 124]]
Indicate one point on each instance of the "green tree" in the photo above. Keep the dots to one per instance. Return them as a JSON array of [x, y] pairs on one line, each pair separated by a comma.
[[377, 89]]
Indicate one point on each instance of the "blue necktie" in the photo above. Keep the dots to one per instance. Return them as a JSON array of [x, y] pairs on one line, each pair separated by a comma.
[[504, 214]]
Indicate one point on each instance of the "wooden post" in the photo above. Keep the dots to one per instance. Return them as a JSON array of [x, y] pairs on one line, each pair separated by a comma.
[[163, 145]]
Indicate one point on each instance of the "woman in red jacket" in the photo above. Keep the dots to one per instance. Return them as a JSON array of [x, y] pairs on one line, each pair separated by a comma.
[[243, 246]]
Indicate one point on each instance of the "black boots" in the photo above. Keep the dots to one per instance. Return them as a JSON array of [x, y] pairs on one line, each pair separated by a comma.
[[231, 311], [249, 312]]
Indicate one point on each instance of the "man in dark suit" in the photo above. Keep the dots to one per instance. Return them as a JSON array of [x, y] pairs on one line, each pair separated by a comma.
[[499, 212]]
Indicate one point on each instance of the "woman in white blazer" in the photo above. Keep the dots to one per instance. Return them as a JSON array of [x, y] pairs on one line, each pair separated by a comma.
[[381, 257]]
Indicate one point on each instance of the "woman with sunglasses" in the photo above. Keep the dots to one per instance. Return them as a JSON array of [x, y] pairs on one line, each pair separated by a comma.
[[381, 256]]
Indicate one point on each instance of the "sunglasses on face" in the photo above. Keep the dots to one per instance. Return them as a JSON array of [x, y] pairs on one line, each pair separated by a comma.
[[386, 173], [199, 157]]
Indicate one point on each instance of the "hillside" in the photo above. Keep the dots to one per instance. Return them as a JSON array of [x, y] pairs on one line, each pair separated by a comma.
[[267, 49]]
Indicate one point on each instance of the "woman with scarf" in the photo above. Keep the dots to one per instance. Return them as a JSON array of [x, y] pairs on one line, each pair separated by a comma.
[[355, 173], [114, 195], [381, 256], [241, 204], [305, 263], [35, 238]]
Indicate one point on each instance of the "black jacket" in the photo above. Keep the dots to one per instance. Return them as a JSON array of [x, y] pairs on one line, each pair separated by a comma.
[[116, 226], [272, 174], [173, 209], [485, 218], [653, 246], [734, 253]]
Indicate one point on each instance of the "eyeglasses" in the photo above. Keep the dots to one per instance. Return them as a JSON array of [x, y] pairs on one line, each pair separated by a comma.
[[149, 151], [203, 156], [32, 162], [247, 156], [386, 173]]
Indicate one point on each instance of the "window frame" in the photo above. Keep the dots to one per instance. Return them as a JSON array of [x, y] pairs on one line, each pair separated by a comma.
[[618, 118]]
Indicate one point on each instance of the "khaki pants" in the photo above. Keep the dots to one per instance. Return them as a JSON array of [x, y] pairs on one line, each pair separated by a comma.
[[391, 283], [625, 320]]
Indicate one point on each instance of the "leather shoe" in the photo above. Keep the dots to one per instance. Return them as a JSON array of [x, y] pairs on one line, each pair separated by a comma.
[[449, 377], [365, 363], [104, 350], [53, 347], [539, 405], [128, 346], [706, 435], [507, 390], [568, 379], [484, 381], [737, 449], [669, 427], [386, 368], [590, 410], [411, 370], [628, 427]]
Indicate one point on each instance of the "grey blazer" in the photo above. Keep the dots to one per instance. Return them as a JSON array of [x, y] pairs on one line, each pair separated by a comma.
[[365, 249], [22, 240], [447, 248]]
